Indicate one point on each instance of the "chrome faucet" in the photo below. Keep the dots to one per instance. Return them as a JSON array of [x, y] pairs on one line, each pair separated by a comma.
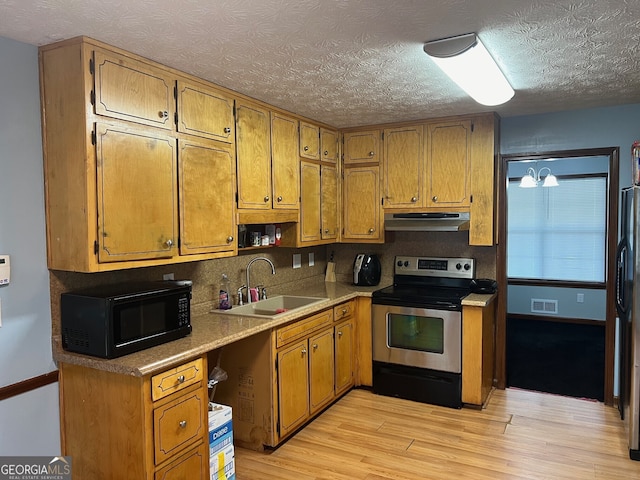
[[273, 272]]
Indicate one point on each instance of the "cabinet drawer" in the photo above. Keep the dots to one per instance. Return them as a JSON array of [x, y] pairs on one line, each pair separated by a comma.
[[194, 464], [178, 424], [344, 310], [302, 327], [176, 379]]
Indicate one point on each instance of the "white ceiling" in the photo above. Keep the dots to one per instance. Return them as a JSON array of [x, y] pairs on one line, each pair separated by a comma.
[[355, 62]]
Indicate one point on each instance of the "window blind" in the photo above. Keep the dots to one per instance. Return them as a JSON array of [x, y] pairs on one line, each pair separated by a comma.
[[558, 233]]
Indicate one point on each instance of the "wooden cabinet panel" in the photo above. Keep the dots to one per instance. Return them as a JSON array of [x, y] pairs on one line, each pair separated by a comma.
[[361, 147], [321, 370], [403, 167], [137, 194], [310, 205], [293, 386], [207, 197], [176, 379], [328, 145], [449, 163], [285, 166], [193, 465], [344, 310], [205, 112], [309, 141], [178, 424], [253, 155], [329, 202], [303, 327], [362, 204], [147, 98], [344, 354]]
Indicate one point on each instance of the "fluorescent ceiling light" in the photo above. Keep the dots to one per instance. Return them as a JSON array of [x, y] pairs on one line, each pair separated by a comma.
[[468, 63]]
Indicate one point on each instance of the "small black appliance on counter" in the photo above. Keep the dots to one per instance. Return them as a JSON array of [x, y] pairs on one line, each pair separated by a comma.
[[366, 270]]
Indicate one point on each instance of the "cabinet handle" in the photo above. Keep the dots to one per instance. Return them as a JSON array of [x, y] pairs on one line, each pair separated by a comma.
[[371, 230], [434, 198], [266, 198], [326, 152], [229, 239], [279, 198], [304, 351], [183, 424], [414, 199], [169, 243], [227, 130], [306, 148], [340, 333], [181, 379], [326, 230], [163, 114], [371, 154], [344, 311], [315, 346]]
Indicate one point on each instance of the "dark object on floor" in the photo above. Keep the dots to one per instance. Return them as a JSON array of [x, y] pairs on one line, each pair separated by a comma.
[[554, 357]]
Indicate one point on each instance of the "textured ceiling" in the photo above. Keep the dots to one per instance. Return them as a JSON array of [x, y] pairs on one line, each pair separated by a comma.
[[354, 62]]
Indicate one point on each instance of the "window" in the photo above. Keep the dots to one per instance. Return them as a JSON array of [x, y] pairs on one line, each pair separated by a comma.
[[558, 233]]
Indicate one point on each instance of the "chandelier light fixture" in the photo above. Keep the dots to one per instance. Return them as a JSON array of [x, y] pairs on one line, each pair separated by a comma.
[[532, 179], [469, 64]]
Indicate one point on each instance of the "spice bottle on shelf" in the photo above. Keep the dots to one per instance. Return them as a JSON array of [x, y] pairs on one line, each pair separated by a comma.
[[225, 304]]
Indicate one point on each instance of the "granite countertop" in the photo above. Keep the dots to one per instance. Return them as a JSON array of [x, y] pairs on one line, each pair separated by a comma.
[[478, 299], [211, 331]]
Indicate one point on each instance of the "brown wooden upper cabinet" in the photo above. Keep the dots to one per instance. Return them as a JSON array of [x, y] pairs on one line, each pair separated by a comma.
[[361, 147], [114, 198], [130, 90], [404, 167], [309, 141], [329, 145], [205, 112], [449, 164], [285, 166]]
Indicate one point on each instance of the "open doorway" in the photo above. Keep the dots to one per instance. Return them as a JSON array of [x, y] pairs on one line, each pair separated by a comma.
[[556, 269]]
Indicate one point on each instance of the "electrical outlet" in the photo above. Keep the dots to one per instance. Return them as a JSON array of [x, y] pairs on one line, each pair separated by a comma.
[[312, 261], [168, 276], [297, 260], [580, 298]]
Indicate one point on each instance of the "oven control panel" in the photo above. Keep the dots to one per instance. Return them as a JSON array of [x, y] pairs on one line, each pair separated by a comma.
[[436, 266]]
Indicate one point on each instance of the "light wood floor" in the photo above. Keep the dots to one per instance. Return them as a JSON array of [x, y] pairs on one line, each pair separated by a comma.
[[520, 435]]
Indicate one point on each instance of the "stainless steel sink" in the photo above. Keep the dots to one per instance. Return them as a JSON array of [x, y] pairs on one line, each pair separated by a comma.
[[273, 307]]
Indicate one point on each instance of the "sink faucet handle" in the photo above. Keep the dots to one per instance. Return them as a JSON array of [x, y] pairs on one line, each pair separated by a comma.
[[240, 288], [264, 293]]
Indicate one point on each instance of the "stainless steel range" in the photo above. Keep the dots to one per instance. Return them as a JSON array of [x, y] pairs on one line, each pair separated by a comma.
[[417, 330]]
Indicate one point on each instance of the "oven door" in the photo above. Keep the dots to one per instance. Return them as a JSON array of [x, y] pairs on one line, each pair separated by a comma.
[[417, 337]]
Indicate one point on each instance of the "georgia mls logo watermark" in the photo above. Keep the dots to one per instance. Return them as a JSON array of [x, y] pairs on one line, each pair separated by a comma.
[[35, 468]]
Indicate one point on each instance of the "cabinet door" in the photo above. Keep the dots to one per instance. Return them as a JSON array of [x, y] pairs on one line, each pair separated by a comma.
[[362, 209], [362, 147], [137, 194], [403, 167], [205, 112], [147, 98], [309, 141], [285, 164], [310, 205], [329, 201], [343, 338], [321, 370], [448, 164], [253, 152], [328, 145], [207, 197], [293, 386]]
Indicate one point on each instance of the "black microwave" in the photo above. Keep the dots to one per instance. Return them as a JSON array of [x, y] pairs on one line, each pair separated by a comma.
[[116, 320]]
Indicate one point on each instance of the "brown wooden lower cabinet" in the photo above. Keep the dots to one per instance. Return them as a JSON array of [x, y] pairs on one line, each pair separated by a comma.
[[112, 427], [478, 352], [280, 379]]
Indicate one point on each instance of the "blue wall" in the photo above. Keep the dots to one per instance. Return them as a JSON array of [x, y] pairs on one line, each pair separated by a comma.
[[29, 423]]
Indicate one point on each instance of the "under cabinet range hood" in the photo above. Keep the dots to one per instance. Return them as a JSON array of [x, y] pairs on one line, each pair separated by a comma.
[[426, 222]]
